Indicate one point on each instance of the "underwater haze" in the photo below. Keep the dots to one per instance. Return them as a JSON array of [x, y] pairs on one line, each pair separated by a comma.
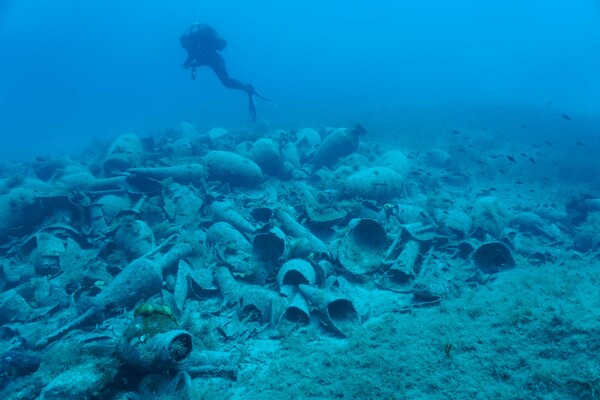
[[413, 214], [72, 71]]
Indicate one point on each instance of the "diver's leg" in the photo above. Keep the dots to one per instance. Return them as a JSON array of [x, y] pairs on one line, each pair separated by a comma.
[[217, 63]]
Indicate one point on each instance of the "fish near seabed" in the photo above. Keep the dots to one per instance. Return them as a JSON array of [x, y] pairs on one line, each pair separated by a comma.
[[567, 117]]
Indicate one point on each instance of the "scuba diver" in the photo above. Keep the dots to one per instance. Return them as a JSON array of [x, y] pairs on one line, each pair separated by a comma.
[[203, 45]]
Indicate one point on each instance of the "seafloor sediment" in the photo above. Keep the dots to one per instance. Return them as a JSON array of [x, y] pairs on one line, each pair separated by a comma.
[[308, 264]]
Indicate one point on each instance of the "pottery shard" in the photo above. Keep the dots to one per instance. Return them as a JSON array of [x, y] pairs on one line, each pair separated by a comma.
[[224, 234], [395, 160], [265, 153], [19, 208], [489, 214], [456, 222], [339, 143], [80, 382], [232, 168], [135, 238], [377, 183], [126, 152]]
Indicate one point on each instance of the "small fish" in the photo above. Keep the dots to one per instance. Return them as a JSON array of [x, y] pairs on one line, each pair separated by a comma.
[[511, 159], [222, 332], [549, 103], [549, 143], [456, 132], [488, 191], [523, 155], [519, 183], [567, 117], [502, 171], [523, 126], [532, 160], [579, 143], [535, 146]]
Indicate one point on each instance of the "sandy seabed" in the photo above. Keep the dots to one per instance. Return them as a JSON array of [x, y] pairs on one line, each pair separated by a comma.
[[532, 333]]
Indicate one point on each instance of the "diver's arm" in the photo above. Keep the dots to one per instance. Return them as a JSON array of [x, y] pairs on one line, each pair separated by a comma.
[[188, 61]]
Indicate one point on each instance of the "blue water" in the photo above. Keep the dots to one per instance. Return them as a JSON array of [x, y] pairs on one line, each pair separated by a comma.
[[71, 71]]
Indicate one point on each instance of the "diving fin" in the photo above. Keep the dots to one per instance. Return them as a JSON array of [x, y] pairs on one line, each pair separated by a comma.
[[260, 96], [252, 106], [252, 109]]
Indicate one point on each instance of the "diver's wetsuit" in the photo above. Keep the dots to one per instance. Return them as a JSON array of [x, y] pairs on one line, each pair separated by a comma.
[[203, 44]]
